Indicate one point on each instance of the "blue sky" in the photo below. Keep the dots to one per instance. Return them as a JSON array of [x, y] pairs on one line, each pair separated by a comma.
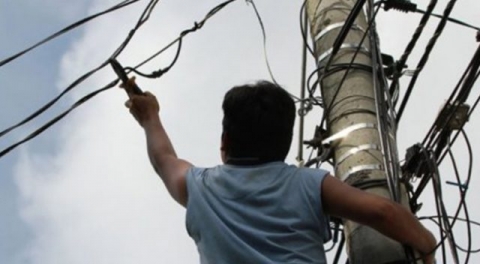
[[83, 192]]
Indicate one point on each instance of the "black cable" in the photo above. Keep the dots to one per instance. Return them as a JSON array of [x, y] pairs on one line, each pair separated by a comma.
[[425, 57], [85, 76], [411, 45], [339, 249], [66, 29], [434, 166], [475, 60], [264, 34], [435, 133], [432, 218], [463, 189], [110, 85], [302, 28], [453, 20], [57, 118], [159, 73], [457, 104]]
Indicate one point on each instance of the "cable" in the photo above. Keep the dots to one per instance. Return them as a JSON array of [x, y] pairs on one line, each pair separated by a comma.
[[432, 218], [265, 53], [453, 20], [303, 25], [425, 57], [112, 84], [85, 76], [463, 190], [264, 34], [411, 45], [160, 72], [66, 29], [471, 68]]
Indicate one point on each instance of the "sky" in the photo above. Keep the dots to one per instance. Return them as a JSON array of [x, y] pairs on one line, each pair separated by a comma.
[[84, 191]]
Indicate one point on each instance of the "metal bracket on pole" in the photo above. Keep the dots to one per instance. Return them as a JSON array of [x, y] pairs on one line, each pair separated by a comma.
[[359, 168], [343, 133], [340, 5], [335, 26], [346, 46], [356, 150]]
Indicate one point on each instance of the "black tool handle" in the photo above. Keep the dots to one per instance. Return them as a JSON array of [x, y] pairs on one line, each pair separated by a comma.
[[120, 71]]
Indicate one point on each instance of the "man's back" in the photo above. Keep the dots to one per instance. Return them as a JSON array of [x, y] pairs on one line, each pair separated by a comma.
[[269, 213]]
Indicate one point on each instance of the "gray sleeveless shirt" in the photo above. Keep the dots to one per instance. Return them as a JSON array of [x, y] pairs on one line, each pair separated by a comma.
[[270, 213]]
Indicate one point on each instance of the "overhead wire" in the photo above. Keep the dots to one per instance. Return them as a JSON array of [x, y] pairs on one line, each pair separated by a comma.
[[265, 52], [143, 18], [426, 55], [450, 19], [411, 44], [113, 83], [439, 132], [66, 29]]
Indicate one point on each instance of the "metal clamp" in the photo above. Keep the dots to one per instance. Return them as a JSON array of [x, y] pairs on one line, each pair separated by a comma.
[[346, 46], [344, 132], [335, 26], [340, 5], [356, 150], [359, 168]]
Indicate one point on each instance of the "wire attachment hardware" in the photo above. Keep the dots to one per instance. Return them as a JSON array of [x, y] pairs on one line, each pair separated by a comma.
[[400, 5], [453, 121]]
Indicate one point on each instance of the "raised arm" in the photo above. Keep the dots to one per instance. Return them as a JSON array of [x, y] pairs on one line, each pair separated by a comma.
[[163, 158], [387, 217]]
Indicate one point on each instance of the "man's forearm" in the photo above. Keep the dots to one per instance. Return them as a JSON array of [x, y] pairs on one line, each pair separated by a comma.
[[158, 144], [401, 225]]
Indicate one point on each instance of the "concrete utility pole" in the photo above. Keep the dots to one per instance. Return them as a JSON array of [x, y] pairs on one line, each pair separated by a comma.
[[358, 155]]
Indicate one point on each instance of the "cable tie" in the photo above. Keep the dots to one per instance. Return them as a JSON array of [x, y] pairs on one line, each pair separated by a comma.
[[462, 186]]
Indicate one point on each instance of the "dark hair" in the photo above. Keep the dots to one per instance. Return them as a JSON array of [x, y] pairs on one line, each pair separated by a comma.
[[258, 121]]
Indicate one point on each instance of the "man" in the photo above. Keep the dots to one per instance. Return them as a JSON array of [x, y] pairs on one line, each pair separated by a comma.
[[255, 208]]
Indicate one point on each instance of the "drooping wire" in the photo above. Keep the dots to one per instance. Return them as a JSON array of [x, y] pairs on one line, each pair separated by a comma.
[[265, 52], [303, 30], [463, 189], [143, 18], [432, 218], [264, 34], [442, 214], [160, 72], [110, 85], [66, 29]]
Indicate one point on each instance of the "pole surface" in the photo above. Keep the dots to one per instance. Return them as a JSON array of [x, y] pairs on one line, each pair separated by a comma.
[[358, 156]]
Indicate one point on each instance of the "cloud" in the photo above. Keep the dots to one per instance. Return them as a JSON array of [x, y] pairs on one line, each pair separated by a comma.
[[97, 200]]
